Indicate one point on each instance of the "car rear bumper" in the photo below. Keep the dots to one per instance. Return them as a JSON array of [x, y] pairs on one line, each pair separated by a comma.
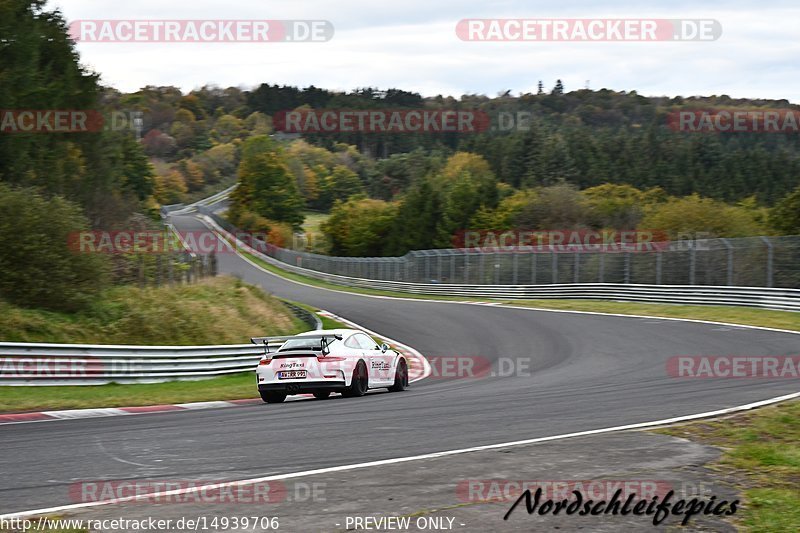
[[300, 387]]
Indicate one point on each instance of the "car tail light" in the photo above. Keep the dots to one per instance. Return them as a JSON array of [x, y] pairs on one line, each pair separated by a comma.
[[323, 359], [264, 362]]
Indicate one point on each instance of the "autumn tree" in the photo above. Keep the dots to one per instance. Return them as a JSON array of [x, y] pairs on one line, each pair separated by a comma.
[[266, 186]]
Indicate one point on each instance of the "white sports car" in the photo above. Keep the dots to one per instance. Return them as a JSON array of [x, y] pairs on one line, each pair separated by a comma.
[[320, 362]]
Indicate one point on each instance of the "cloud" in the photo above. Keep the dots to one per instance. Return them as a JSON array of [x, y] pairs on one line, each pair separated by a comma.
[[413, 46]]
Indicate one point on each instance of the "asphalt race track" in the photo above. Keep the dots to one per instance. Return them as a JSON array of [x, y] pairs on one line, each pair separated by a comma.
[[580, 372]]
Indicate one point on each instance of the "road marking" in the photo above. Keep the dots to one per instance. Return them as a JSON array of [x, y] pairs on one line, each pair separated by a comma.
[[418, 357], [75, 414], [385, 462], [500, 305]]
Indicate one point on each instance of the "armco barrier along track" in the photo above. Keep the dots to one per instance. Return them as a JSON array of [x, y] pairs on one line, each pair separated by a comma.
[[97, 364], [85, 364], [764, 297]]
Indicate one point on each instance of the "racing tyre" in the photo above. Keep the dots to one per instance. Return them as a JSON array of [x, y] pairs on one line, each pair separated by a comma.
[[273, 397], [400, 377], [322, 395], [360, 382]]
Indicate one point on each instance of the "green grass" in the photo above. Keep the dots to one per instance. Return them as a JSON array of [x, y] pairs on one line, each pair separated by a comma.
[[325, 285], [762, 453], [313, 221], [316, 241], [232, 387], [735, 315], [773, 510], [220, 310]]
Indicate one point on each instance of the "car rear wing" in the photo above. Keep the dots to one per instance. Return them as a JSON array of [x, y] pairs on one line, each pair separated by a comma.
[[273, 343]]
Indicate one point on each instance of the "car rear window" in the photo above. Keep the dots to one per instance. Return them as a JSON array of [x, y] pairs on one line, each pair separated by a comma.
[[304, 344]]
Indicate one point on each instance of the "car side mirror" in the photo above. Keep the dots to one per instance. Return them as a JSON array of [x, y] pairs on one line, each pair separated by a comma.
[[384, 347]]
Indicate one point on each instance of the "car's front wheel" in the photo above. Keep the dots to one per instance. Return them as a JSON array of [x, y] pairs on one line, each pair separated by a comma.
[[400, 377], [273, 397], [360, 382]]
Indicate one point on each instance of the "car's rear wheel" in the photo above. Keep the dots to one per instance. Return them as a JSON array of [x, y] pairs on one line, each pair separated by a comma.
[[273, 397], [400, 377], [360, 382], [322, 395]]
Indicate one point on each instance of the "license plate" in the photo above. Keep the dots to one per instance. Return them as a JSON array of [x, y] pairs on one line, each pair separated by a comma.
[[292, 374]]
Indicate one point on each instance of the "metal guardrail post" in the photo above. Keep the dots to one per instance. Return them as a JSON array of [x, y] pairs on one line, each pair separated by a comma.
[[601, 267], [466, 267], [627, 274], [577, 267], [770, 298], [482, 269], [692, 263], [770, 260], [554, 266], [515, 267], [533, 268], [729, 269], [427, 268], [658, 267]]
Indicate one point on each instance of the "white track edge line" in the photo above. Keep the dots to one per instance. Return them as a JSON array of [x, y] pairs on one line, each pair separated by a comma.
[[104, 412], [385, 462], [426, 366]]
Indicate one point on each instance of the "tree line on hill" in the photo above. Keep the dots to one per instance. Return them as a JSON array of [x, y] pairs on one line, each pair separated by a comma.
[[587, 159]]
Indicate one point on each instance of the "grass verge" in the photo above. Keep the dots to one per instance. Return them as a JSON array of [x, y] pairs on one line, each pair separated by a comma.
[[734, 315], [262, 315], [355, 290], [761, 458], [220, 310]]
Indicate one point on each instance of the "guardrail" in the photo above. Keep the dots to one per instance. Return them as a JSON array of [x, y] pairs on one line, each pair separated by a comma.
[[181, 209], [94, 364], [24, 363], [763, 297]]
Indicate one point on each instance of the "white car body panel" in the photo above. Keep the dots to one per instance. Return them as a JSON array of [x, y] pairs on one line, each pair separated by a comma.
[[333, 371]]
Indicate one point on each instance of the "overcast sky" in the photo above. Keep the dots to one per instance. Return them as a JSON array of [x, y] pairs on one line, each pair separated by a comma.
[[412, 45]]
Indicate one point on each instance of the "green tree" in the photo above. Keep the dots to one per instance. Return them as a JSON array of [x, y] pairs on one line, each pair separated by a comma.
[[339, 185], [40, 69], [785, 216], [694, 214], [41, 264], [266, 187], [359, 227]]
